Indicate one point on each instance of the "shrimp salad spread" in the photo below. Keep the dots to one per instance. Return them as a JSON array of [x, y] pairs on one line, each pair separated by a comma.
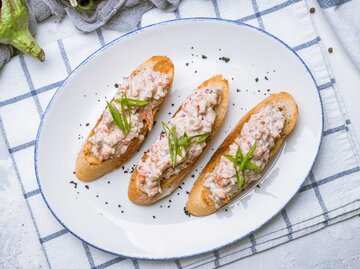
[[262, 128], [108, 140], [195, 117]]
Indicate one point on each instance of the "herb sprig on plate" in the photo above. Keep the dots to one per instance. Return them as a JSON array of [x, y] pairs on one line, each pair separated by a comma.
[[177, 143], [241, 163], [122, 118]]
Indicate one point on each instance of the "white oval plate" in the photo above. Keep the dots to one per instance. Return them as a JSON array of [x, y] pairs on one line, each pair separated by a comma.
[[102, 215]]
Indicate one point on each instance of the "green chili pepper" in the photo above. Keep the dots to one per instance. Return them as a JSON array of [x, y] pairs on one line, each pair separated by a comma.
[[14, 28], [87, 7]]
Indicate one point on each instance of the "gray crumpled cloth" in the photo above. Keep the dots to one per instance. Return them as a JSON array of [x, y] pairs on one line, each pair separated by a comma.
[[118, 15]]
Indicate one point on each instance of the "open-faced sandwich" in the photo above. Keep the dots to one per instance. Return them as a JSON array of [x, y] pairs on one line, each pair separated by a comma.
[[244, 154], [184, 137], [125, 122]]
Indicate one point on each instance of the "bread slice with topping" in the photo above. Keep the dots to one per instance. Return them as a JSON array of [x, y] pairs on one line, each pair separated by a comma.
[[163, 167], [119, 132], [219, 188]]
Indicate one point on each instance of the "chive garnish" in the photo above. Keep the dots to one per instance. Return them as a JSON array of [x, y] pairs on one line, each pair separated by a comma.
[[241, 163], [177, 143], [122, 119]]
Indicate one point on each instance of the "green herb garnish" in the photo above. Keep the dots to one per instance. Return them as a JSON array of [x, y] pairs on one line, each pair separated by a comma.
[[122, 119], [241, 163], [130, 102], [177, 143]]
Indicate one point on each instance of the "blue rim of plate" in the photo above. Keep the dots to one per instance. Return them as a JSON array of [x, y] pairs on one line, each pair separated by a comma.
[[132, 33]]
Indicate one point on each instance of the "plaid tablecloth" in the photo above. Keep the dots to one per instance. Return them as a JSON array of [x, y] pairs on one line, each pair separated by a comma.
[[329, 195]]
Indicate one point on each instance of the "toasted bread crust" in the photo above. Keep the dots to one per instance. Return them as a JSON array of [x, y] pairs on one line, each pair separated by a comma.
[[199, 202], [169, 185], [88, 167]]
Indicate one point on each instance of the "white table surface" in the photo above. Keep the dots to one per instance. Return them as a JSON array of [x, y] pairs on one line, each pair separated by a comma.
[[336, 246]]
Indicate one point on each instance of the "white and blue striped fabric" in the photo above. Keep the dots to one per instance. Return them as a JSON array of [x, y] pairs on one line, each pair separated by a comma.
[[329, 195]]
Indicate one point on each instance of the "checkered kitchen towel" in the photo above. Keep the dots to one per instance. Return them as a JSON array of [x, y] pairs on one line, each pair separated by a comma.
[[329, 195]]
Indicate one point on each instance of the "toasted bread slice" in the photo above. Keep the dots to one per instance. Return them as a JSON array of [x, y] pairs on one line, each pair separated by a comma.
[[88, 166], [199, 202], [170, 184]]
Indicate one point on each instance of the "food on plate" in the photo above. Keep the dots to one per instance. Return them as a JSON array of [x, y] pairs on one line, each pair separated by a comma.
[[244, 154], [179, 145], [127, 119]]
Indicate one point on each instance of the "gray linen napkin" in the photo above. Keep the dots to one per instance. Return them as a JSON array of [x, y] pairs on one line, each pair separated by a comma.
[[119, 15]]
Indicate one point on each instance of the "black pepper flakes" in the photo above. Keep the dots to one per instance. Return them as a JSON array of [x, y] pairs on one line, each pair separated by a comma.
[[258, 186], [122, 211], [87, 187], [312, 10], [154, 217], [266, 78], [186, 212], [116, 85], [330, 50], [256, 79], [87, 124], [169, 201], [187, 192], [203, 56], [74, 183], [225, 59], [106, 203], [187, 64], [119, 206], [237, 90], [195, 71], [192, 175], [172, 104], [74, 172]]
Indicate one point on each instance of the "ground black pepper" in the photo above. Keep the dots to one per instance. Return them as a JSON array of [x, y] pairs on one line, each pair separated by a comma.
[[87, 187], [204, 56], [73, 182], [312, 10], [266, 78], [87, 124], [186, 212], [256, 79], [330, 50], [225, 59]]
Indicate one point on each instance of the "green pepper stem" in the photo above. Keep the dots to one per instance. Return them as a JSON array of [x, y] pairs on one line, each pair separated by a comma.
[[26, 43], [14, 28]]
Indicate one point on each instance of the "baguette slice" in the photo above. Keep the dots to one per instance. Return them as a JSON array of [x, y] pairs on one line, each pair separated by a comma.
[[199, 202], [170, 184], [88, 166]]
